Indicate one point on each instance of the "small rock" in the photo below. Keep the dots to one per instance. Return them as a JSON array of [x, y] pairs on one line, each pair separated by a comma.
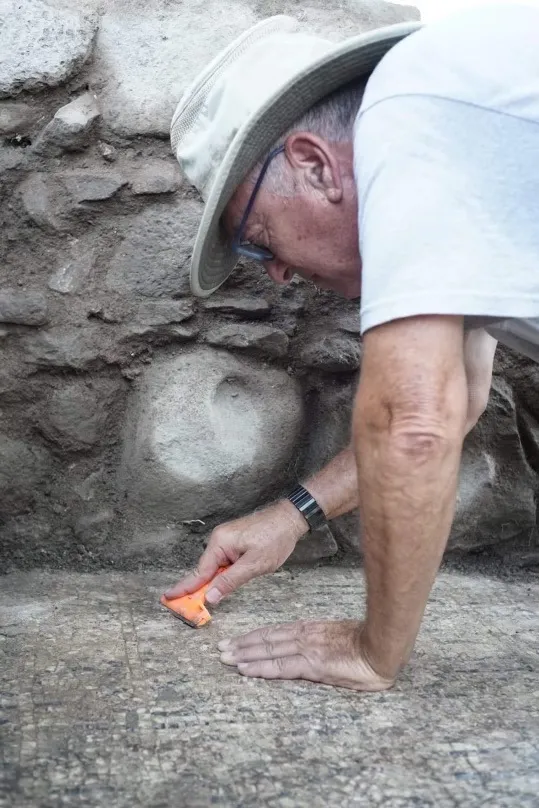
[[262, 338], [157, 177], [76, 349], [154, 258], [107, 151], [314, 546], [195, 525], [349, 323], [41, 45], [76, 267], [252, 308], [16, 118], [72, 127], [91, 186], [331, 352], [23, 308]]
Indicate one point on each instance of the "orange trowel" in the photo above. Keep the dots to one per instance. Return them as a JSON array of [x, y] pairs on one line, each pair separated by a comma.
[[191, 608]]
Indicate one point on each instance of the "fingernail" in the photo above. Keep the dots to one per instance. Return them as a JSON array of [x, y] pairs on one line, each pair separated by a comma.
[[213, 596], [242, 666], [168, 594], [224, 645], [227, 658]]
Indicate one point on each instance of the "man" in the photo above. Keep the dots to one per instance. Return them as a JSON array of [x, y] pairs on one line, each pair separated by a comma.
[[401, 166]]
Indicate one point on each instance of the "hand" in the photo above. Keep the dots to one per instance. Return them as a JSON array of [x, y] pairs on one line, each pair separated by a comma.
[[253, 545], [330, 652]]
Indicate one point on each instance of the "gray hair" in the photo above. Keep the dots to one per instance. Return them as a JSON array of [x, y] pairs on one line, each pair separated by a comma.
[[332, 118]]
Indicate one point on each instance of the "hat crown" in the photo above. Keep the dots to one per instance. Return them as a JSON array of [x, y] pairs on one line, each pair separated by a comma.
[[234, 86]]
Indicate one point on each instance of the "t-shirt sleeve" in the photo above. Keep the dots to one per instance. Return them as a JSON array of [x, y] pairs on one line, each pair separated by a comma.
[[448, 205]]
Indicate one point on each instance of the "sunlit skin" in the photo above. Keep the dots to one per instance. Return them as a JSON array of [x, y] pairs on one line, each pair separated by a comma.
[[312, 232]]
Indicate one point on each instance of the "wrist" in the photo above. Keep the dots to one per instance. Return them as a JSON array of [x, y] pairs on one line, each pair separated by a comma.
[[298, 524], [308, 507], [386, 661]]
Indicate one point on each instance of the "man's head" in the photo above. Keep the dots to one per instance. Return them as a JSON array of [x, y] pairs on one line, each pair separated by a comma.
[[284, 102], [304, 210]]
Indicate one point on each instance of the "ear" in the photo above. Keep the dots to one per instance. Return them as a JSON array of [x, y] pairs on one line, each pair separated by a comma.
[[317, 163]]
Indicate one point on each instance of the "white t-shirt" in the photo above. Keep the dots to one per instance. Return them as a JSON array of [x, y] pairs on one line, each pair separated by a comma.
[[447, 165]]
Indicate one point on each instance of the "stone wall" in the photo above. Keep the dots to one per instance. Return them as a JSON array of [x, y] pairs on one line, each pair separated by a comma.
[[132, 417]]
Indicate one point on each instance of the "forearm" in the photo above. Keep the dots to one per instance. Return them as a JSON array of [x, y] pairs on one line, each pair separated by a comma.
[[407, 499], [335, 486]]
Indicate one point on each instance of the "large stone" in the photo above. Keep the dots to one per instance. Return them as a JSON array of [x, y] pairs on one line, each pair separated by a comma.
[[153, 259], [497, 488], [75, 267], [156, 177], [75, 416], [41, 45], [58, 347], [40, 197], [23, 308], [160, 321], [139, 96], [207, 433], [72, 127], [23, 467], [264, 339], [17, 118], [91, 185], [332, 352]]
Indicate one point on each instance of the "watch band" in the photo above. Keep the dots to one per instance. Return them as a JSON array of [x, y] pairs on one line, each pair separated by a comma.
[[308, 507]]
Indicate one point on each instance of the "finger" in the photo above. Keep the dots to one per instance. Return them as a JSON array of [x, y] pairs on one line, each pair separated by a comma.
[[269, 634], [266, 650], [236, 575], [292, 667], [208, 564]]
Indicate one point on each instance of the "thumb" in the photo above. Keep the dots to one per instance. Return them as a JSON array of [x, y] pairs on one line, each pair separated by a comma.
[[235, 576], [208, 564]]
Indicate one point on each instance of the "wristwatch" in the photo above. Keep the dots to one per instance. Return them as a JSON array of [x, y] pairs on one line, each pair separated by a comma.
[[308, 507]]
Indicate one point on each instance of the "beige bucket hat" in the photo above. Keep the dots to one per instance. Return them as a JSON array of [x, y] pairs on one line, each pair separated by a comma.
[[235, 110]]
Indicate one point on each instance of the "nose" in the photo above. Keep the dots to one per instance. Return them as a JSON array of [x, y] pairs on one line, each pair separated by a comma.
[[279, 272]]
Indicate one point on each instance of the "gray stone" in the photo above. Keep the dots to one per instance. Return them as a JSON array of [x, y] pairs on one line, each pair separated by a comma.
[[160, 320], [207, 432], [40, 198], [23, 467], [264, 339], [72, 127], [164, 312], [88, 489], [153, 259], [94, 528], [497, 489], [107, 152], [156, 177], [97, 654], [331, 352], [58, 347], [251, 308], [75, 416], [314, 546], [41, 45], [17, 118], [23, 308], [140, 95], [76, 267], [91, 186]]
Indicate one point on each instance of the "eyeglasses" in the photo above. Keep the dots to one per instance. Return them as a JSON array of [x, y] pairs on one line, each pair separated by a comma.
[[254, 251]]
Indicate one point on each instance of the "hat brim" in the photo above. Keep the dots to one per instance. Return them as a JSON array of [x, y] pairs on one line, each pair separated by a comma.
[[213, 260]]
